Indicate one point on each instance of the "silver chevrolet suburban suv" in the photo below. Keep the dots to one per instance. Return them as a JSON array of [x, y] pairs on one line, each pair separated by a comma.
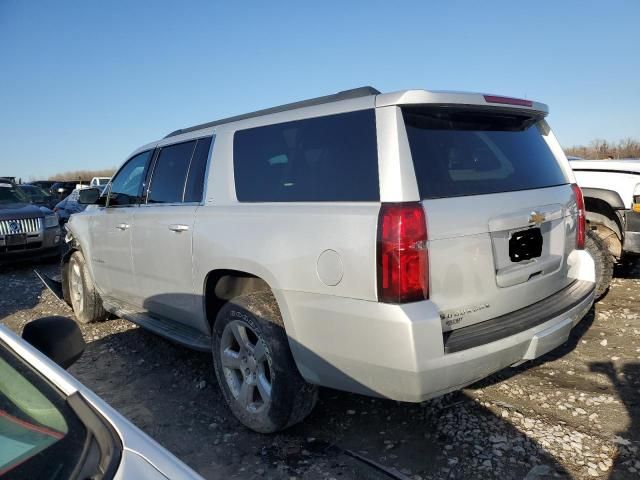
[[398, 245]]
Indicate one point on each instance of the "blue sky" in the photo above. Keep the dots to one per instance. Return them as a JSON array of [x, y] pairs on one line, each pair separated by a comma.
[[83, 83]]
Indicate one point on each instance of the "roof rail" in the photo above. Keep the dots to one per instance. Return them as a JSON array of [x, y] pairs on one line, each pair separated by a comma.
[[344, 95]]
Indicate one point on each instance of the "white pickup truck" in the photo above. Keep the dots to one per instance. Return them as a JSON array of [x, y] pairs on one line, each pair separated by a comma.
[[611, 191]]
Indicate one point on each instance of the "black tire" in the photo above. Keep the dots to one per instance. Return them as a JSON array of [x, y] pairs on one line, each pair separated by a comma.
[[291, 398], [603, 261], [85, 301]]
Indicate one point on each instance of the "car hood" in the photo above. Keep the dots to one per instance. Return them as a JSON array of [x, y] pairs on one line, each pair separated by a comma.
[[629, 165], [10, 211]]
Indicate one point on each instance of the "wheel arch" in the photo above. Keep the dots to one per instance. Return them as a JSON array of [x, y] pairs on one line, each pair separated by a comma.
[[221, 285], [610, 197], [600, 212]]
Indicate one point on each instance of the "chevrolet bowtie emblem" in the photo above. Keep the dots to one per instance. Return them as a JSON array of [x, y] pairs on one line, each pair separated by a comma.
[[536, 218]]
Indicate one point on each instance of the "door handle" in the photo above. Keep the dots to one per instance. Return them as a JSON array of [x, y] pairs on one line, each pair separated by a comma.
[[122, 226], [178, 228]]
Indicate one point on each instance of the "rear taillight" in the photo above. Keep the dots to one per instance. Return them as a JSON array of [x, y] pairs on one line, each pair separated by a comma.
[[580, 228], [403, 263]]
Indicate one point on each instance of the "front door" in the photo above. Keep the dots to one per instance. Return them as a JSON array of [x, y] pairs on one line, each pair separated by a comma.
[[111, 231]]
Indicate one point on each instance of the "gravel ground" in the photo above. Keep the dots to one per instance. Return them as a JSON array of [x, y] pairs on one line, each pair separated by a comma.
[[575, 413]]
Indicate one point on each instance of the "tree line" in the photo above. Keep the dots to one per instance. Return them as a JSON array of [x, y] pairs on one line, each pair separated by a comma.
[[598, 149], [82, 175]]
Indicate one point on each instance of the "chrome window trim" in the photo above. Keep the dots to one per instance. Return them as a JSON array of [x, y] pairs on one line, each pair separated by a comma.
[[205, 189]]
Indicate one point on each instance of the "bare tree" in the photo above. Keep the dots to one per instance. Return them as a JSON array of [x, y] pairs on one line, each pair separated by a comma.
[[82, 175], [600, 148]]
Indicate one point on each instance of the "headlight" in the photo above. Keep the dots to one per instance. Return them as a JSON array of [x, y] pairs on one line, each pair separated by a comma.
[[50, 221]]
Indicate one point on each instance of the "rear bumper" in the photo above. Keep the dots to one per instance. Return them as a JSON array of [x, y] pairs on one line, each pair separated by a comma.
[[398, 351]]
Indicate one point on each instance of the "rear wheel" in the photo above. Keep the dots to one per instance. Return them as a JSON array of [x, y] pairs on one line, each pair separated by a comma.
[[254, 365], [85, 299], [603, 262]]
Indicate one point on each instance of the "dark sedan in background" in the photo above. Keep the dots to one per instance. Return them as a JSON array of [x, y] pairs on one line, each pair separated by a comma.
[[38, 196], [27, 231]]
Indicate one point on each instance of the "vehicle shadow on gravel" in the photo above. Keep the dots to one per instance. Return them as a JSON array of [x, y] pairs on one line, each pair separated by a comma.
[[171, 393], [626, 380]]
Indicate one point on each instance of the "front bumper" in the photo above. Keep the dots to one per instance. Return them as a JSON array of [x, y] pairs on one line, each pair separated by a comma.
[[43, 244], [398, 351], [632, 234]]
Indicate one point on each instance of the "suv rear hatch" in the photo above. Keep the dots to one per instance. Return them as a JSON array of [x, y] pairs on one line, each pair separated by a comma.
[[500, 210]]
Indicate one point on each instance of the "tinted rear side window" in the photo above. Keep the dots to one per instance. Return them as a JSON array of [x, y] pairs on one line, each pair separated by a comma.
[[457, 153], [195, 180], [325, 159], [170, 173]]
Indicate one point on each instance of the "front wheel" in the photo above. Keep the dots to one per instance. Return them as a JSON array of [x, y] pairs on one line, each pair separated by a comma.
[[254, 365], [85, 299]]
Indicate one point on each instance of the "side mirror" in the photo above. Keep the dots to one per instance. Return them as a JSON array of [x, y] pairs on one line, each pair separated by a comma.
[[89, 196], [59, 338]]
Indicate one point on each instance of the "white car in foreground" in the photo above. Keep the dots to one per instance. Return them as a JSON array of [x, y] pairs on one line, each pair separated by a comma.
[[52, 426]]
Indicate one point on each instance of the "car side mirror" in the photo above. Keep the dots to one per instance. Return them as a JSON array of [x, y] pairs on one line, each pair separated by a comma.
[[59, 338], [90, 196]]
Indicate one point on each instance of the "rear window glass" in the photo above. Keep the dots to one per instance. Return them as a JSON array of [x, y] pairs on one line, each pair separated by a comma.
[[332, 158], [457, 153]]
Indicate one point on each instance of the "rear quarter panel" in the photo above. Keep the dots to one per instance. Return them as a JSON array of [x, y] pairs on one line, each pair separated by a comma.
[[281, 242]]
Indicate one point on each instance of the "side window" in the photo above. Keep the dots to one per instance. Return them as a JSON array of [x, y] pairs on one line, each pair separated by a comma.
[[195, 180], [170, 173], [126, 186], [324, 159]]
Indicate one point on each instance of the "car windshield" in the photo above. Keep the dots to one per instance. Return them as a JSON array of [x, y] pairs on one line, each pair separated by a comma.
[[10, 193], [38, 432], [34, 193]]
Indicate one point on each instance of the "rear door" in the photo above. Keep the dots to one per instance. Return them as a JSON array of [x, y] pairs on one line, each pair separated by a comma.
[[163, 232], [501, 213]]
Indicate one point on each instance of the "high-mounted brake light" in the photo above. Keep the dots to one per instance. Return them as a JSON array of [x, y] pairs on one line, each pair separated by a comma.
[[581, 226], [403, 262], [508, 101]]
